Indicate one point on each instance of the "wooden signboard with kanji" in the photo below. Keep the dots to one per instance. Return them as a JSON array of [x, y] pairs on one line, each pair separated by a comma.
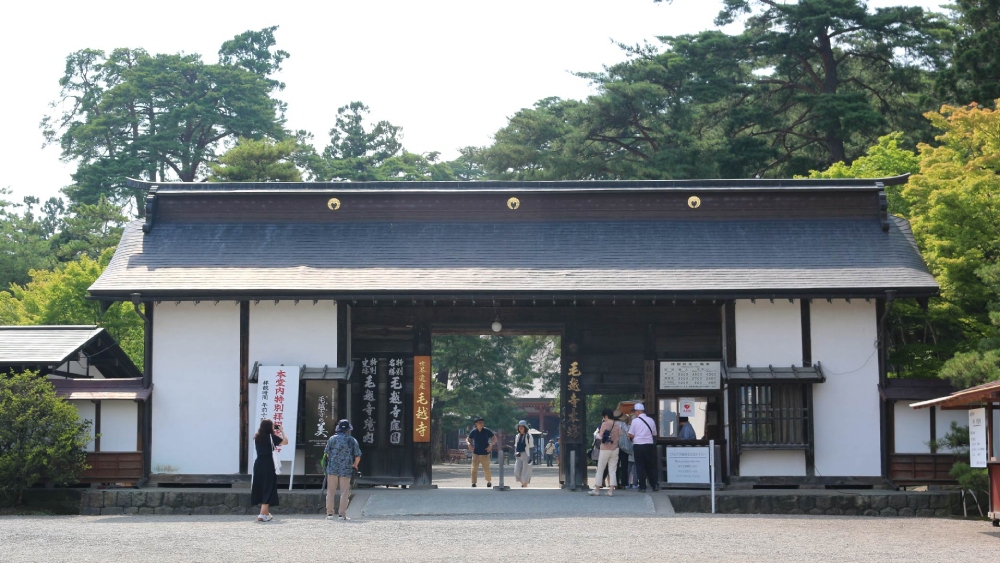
[[421, 399]]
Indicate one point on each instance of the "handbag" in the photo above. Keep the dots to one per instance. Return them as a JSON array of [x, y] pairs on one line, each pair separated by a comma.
[[624, 444], [274, 457]]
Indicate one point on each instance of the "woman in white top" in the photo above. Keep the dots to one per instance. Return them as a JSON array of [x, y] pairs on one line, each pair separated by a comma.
[[524, 444]]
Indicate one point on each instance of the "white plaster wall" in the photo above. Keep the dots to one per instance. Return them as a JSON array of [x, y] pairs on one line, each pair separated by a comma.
[[846, 417], [290, 334], [196, 393], [86, 410], [773, 463], [768, 333], [912, 428], [943, 423], [119, 426]]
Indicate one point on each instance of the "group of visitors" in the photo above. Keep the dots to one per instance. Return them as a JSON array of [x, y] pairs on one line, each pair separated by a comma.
[[481, 440], [340, 460], [636, 439]]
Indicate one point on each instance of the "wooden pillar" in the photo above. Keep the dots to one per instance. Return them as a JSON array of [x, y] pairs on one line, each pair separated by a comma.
[[730, 396], [423, 458], [244, 387], [806, 362], [97, 426], [573, 436], [883, 378], [147, 382]]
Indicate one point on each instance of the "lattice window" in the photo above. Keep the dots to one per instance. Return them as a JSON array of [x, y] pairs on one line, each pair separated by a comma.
[[774, 415]]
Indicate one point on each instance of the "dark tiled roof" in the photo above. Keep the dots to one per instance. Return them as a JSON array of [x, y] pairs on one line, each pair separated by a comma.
[[43, 344], [444, 258]]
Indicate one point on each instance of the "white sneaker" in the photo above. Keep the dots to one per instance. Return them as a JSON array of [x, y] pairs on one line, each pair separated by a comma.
[[268, 518], [611, 492], [594, 492], [330, 517]]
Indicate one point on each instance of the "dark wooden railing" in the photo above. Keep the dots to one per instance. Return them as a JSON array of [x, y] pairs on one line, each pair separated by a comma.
[[920, 469], [113, 467]]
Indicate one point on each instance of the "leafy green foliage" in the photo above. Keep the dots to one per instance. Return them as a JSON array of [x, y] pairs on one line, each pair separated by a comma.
[[974, 69], [58, 297], [955, 219], [484, 372], [40, 436], [257, 161], [25, 238], [804, 85], [883, 160]]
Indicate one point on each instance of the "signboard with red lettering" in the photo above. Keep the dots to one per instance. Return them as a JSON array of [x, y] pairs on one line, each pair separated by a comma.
[[421, 398], [278, 399]]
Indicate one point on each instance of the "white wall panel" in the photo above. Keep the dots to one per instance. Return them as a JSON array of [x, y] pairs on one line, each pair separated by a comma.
[[773, 463], [86, 411], [943, 423], [912, 428], [292, 335], [196, 393], [286, 333], [119, 426], [846, 417], [768, 333]]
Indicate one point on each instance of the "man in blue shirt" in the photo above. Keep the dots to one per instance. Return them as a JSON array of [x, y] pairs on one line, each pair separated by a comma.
[[687, 431], [480, 441]]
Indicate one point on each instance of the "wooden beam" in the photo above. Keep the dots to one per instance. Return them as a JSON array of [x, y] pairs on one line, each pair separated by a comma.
[[147, 382], [806, 333], [423, 452], [244, 432], [97, 426], [730, 329]]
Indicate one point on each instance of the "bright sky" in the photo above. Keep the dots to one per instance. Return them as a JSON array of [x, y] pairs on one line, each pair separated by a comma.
[[450, 72]]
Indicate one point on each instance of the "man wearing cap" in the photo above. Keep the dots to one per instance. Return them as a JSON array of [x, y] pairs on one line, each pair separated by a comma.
[[480, 441], [342, 455], [643, 436]]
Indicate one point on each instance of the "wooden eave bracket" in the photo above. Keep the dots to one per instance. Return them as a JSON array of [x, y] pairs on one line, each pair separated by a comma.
[[883, 207], [150, 210]]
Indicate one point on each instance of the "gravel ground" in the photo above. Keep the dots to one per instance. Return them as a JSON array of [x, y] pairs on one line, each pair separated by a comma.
[[689, 538]]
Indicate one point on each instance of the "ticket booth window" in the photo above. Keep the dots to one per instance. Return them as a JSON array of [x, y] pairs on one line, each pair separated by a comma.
[[672, 408]]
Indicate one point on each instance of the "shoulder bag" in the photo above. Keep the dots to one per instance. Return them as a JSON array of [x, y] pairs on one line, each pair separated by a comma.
[[624, 444], [274, 456]]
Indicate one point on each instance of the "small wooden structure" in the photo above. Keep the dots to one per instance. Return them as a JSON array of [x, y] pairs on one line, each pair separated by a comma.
[[91, 371], [986, 396], [912, 459]]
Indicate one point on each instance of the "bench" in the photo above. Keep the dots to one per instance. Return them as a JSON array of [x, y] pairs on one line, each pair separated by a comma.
[[456, 456]]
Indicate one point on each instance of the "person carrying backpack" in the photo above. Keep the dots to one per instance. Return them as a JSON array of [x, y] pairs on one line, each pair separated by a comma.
[[609, 433]]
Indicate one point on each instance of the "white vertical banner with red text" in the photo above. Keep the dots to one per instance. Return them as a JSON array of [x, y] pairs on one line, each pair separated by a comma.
[[278, 399]]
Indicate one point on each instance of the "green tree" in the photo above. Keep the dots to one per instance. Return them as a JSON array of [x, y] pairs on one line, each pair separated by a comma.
[[41, 436], [257, 161], [482, 373], [973, 70], [883, 160], [160, 117], [956, 219], [357, 149], [25, 239], [818, 79]]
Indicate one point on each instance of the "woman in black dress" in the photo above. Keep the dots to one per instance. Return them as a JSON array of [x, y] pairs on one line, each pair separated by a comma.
[[264, 490]]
